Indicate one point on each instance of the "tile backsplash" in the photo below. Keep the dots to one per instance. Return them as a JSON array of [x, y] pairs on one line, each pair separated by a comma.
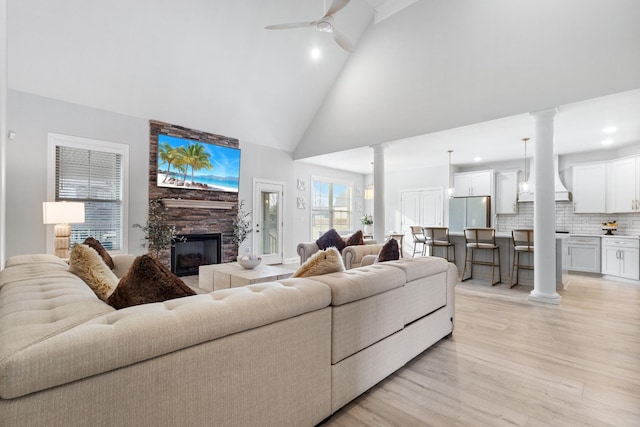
[[567, 220]]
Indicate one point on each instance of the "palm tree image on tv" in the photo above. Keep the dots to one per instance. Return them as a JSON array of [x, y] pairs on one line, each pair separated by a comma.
[[183, 163]]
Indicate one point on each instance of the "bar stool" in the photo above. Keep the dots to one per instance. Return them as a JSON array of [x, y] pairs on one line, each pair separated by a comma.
[[438, 237], [418, 238], [481, 239], [522, 243]]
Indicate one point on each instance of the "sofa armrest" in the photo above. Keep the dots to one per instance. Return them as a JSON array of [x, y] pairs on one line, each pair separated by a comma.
[[121, 263], [352, 255], [305, 250]]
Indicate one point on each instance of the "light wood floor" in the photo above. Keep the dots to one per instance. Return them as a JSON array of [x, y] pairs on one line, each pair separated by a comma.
[[515, 362]]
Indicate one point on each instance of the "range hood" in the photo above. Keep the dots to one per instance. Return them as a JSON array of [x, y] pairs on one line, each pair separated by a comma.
[[561, 192]]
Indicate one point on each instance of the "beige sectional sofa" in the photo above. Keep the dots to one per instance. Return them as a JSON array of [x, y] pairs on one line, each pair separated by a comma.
[[284, 353], [352, 256]]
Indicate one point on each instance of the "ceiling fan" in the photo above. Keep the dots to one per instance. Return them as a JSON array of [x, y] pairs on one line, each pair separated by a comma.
[[324, 24]]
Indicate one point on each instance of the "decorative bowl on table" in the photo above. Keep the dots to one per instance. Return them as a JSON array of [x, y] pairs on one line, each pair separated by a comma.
[[249, 262]]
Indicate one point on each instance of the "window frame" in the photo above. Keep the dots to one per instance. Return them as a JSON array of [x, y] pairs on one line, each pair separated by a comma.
[[331, 181], [54, 140]]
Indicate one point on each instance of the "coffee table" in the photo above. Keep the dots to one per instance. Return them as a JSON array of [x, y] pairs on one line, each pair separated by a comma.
[[230, 275]]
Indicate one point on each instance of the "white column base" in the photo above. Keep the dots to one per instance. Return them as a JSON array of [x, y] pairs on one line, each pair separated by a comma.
[[553, 298]]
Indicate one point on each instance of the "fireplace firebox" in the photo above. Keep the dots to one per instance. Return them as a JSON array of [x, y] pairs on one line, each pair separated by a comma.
[[190, 251]]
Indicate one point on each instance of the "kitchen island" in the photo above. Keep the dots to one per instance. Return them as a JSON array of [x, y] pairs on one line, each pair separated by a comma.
[[505, 243]]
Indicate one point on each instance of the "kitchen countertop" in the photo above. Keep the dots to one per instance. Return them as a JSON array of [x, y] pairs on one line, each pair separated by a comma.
[[618, 236]]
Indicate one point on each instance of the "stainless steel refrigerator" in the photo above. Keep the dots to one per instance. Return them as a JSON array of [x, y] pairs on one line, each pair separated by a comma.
[[469, 212]]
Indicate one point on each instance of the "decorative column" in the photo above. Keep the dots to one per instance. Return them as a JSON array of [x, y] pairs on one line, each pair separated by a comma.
[[378, 193], [544, 255]]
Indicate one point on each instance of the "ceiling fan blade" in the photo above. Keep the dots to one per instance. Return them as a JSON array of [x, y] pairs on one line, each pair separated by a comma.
[[336, 6], [291, 25], [342, 40]]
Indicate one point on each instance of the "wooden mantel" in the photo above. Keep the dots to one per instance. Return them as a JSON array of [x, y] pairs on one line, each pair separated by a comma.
[[197, 204]]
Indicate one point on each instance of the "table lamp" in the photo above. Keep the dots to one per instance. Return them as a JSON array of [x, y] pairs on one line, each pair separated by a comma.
[[62, 214]]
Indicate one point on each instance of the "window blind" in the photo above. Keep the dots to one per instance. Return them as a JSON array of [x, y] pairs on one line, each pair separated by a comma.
[[95, 178]]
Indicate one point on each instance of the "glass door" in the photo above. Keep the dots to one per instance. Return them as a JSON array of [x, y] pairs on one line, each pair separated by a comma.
[[267, 226]]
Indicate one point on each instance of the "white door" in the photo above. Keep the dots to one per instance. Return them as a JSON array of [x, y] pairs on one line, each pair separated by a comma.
[[420, 207], [267, 221]]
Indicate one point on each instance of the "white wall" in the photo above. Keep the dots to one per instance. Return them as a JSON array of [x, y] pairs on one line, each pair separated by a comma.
[[3, 128], [302, 217], [273, 165], [31, 118], [433, 177]]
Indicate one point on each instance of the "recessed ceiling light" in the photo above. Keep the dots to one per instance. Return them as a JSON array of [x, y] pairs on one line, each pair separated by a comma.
[[315, 54], [607, 141], [477, 159], [610, 129]]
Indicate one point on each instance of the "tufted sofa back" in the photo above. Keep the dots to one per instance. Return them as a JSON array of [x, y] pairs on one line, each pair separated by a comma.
[[50, 320]]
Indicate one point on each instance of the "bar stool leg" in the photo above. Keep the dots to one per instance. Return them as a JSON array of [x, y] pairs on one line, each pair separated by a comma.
[[464, 269], [473, 261], [513, 266], [499, 267], [494, 265]]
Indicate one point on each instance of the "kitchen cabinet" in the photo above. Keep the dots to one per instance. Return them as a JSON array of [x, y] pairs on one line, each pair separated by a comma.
[[477, 183], [507, 192], [589, 188], [584, 254], [622, 185], [621, 257]]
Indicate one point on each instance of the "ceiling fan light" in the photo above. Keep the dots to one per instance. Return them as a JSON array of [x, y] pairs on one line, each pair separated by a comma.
[[324, 26]]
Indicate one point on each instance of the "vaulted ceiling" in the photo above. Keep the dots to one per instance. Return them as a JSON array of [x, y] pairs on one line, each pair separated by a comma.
[[418, 68]]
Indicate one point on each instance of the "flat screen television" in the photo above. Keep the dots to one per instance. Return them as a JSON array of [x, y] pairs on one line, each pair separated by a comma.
[[183, 163]]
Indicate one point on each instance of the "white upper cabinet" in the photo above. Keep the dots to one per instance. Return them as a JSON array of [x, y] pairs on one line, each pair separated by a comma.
[[590, 188], [507, 192], [622, 185], [473, 183]]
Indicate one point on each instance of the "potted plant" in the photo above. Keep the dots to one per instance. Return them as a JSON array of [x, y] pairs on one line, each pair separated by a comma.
[[241, 228], [158, 235], [367, 222]]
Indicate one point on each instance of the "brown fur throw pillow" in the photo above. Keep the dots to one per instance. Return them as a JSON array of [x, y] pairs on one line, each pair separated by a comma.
[[95, 244], [331, 239], [85, 263], [147, 281], [389, 251], [322, 262], [355, 239]]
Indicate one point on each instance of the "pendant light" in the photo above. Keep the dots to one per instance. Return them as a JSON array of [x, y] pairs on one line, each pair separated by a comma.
[[450, 191], [524, 185]]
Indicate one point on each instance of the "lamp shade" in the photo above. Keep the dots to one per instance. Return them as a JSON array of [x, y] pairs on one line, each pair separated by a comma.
[[63, 212]]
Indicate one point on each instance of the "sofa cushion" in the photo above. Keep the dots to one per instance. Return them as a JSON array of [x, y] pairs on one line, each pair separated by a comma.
[[363, 282], [415, 268], [331, 239], [147, 281], [95, 244], [389, 251], [87, 264], [322, 262], [356, 239]]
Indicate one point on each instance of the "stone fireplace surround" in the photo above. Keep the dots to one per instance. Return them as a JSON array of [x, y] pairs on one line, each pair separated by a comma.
[[194, 211]]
